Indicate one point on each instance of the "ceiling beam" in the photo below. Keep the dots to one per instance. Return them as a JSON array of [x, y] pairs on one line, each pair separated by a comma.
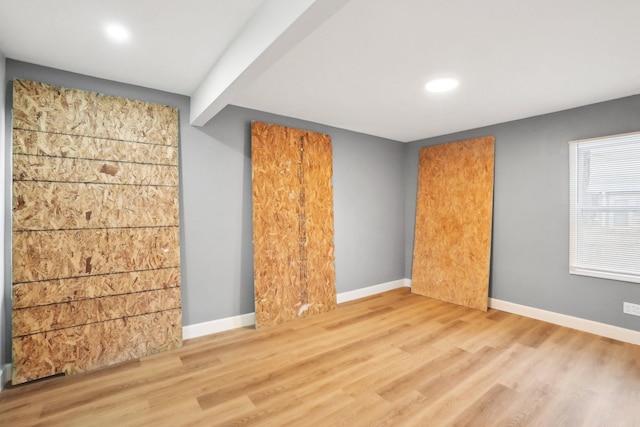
[[275, 28]]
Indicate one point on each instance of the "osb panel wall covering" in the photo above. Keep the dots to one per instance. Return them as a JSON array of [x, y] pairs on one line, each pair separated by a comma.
[[294, 271], [452, 249], [96, 258]]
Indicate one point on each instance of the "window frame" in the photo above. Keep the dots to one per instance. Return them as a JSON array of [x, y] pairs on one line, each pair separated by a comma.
[[576, 172]]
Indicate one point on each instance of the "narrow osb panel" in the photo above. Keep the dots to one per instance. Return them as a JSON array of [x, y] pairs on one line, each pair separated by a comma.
[[82, 147], [46, 255], [283, 252], [63, 206], [276, 204], [91, 346], [452, 248], [88, 287], [42, 107], [318, 208], [60, 169], [46, 318]]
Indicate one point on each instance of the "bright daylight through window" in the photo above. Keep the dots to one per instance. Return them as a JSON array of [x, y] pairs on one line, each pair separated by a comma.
[[605, 207]]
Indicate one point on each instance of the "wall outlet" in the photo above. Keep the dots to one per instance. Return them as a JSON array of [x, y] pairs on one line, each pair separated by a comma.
[[629, 308]]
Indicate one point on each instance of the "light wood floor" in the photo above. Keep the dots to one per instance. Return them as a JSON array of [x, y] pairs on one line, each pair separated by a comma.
[[391, 359]]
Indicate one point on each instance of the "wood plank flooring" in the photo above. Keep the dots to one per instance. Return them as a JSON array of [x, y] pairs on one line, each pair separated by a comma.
[[393, 359]]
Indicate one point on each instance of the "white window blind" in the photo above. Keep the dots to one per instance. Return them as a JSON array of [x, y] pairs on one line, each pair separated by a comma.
[[605, 207]]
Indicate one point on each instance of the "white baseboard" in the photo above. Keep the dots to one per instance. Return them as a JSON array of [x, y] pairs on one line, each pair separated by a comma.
[[602, 329], [249, 319], [6, 372], [372, 290], [219, 325]]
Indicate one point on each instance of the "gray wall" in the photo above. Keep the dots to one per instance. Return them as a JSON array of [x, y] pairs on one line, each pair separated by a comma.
[[216, 240], [3, 310], [530, 247]]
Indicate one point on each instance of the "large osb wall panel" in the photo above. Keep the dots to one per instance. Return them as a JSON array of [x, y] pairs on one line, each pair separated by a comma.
[[294, 270], [96, 258], [452, 249]]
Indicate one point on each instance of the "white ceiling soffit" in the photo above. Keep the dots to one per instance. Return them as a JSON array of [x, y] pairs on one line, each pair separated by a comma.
[[275, 27]]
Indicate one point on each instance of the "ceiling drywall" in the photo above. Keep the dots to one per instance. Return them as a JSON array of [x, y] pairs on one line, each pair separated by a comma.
[[355, 64], [172, 44]]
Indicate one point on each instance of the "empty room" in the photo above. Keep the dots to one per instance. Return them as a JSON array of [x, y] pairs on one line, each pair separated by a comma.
[[320, 212]]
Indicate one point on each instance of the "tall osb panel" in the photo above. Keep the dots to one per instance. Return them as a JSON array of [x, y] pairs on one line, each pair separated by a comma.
[[294, 271], [96, 258], [452, 250]]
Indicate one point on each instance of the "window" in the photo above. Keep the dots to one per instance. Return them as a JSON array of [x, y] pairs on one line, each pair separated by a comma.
[[605, 207]]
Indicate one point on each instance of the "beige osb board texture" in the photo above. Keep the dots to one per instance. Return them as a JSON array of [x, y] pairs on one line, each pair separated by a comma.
[[80, 147], [95, 230], [46, 318], [87, 347], [46, 108], [55, 291], [46, 255], [36, 168], [67, 206], [318, 209], [452, 246], [294, 272]]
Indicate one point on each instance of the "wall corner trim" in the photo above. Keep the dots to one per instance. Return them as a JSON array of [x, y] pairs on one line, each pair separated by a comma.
[[584, 325], [249, 319]]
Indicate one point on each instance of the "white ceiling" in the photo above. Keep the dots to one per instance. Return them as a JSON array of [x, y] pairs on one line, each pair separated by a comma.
[[173, 43], [354, 64]]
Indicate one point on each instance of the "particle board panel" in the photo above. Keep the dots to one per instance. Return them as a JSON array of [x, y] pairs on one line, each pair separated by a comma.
[[47, 108], [57, 291], [46, 255], [95, 230], [63, 169], [65, 206], [292, 223], [318, 209], [81, 147], [90, 346], [276, 208], [452, 248], [51, 317]]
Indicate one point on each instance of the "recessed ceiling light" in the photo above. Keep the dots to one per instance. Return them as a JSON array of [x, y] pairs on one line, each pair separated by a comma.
[[441, 85], [117, 32]]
